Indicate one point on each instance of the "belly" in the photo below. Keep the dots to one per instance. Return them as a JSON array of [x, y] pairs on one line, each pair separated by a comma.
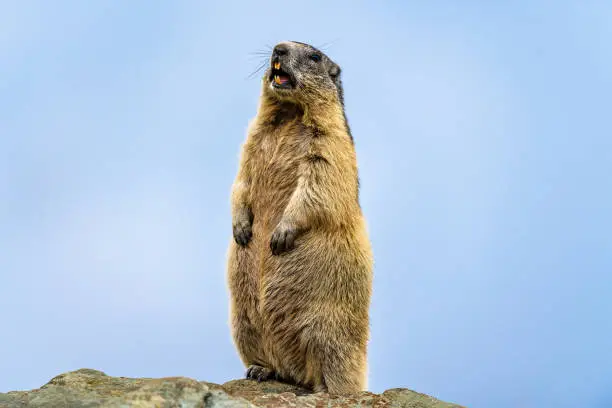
[[325, 278]]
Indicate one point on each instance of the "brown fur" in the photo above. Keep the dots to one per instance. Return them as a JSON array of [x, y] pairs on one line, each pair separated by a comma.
[[303, 314]]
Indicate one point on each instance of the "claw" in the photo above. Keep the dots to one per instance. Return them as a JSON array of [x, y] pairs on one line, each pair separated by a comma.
[[242, 234], [259, 373]]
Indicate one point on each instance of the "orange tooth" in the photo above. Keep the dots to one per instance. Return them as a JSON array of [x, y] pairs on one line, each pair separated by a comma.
[[277, 79], [277, 65]]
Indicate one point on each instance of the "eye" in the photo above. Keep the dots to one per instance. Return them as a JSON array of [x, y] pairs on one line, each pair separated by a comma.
[[315, 57]]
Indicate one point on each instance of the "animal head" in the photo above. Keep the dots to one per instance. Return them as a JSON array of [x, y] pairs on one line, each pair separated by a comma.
[[301, 73]]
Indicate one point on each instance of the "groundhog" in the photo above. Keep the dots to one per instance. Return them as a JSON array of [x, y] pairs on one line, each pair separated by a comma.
[[300, 264]]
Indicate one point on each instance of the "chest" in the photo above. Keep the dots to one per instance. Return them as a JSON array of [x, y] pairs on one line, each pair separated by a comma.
[[279, 152]]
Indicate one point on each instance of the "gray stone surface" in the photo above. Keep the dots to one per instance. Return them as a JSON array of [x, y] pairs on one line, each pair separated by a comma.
[[87, 388]]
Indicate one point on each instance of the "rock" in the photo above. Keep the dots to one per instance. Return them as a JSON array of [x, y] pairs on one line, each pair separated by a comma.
[[87, 388]]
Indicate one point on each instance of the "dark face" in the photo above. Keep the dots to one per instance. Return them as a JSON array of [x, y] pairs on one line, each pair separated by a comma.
[[300, 70]]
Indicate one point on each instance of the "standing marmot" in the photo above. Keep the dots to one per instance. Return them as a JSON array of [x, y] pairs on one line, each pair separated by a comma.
[[300, 264]]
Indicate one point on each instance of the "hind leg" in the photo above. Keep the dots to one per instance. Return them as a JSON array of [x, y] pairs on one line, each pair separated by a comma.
[[245, 321], [337, 360], [344, 370], [246, 337]]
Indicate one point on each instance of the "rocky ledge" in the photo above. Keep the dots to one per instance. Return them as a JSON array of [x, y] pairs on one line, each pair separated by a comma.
[[91, 388]]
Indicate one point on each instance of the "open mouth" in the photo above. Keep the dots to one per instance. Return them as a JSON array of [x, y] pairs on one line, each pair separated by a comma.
[[280, 78]]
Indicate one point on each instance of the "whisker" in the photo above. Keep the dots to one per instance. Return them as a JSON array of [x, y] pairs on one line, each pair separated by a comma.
[[327, 44], [258, 57], [257, 70]]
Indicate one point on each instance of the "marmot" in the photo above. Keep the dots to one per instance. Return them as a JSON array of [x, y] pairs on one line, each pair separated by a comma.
[[300, 264]]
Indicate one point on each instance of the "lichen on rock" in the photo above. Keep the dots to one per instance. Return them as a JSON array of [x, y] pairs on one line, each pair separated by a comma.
[[87, 388]]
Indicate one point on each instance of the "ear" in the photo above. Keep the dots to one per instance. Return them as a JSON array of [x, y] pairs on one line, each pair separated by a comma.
[[334, 73]]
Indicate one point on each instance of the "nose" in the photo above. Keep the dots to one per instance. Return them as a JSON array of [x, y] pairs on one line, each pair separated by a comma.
[[280, 50]]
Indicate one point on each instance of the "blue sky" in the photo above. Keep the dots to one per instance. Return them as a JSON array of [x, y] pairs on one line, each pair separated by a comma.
[[484, 142]]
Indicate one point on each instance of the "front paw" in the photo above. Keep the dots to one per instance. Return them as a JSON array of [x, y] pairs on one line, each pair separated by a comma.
[[283, 238], [243, 233]]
